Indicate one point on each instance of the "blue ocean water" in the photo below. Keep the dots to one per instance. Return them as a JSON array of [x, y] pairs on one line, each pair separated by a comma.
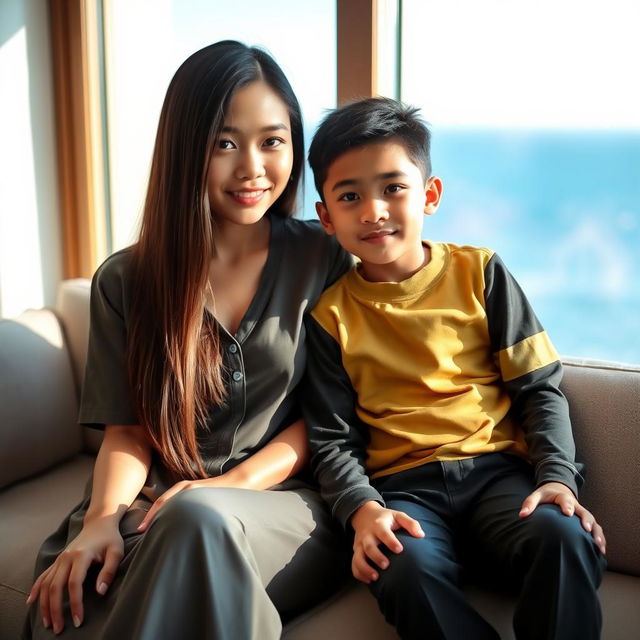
[[563, 211]]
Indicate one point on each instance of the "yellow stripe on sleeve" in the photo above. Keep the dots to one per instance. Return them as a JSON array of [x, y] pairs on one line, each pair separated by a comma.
[[526, 356]]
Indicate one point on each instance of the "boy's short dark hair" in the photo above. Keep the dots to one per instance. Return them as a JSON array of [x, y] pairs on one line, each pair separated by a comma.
[[365, 122]]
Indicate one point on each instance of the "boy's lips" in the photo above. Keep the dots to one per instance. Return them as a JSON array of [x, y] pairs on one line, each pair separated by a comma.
[[377, 235]]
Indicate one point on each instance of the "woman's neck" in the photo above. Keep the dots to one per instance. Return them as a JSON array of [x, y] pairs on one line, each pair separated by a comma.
[[234, 242]]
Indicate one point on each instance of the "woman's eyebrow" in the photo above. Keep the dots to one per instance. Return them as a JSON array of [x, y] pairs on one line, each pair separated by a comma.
[[278, 126]]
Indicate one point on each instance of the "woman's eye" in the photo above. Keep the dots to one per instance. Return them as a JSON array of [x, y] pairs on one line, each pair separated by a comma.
[[348, 197], [225, 144], [273, 142]]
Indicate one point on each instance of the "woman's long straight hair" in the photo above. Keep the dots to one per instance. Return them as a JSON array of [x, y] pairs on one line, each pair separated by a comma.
[[173, 346]]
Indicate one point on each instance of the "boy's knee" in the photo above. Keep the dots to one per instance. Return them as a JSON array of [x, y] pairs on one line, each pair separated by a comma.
[[547, 525], [555, 537], [421, 561]]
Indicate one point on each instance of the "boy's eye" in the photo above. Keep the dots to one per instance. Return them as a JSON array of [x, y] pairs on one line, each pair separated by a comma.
[[394, 188], [226, 144], [348, 197], [273, 142]]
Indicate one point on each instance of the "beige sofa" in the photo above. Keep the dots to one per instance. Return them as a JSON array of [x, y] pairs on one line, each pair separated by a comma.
[[45, 459]]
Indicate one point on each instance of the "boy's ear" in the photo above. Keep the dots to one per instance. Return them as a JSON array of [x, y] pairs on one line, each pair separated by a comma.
[[432, 193], [325, 219]]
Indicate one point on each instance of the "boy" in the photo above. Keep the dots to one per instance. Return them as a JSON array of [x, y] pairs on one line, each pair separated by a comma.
[[437, 428]]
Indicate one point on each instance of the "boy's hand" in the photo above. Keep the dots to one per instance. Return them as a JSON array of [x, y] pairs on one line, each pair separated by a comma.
[[560, 494], [374, 525]]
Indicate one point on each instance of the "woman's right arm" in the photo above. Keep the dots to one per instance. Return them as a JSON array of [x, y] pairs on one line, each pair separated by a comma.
[[120, 472]]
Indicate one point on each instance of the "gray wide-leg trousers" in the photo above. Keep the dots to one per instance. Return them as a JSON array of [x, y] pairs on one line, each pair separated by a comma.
[[223, 564]]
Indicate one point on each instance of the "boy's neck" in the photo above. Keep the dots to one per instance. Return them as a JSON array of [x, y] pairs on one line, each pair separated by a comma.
[[398, 270]]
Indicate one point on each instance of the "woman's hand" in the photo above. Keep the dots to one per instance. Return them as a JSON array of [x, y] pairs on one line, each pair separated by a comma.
[[374, 525], [99, 542], [560, 494]]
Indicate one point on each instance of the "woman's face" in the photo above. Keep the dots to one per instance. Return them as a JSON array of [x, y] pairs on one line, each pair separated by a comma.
[[252, 159]]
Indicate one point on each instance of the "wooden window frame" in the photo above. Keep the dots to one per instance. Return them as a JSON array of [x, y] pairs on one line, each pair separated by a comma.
[[80, 118], [76, 56], [359, 25]]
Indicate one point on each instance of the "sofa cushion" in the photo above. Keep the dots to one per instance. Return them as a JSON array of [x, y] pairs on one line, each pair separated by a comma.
[[604, 400], [38, 402], [36, 507], [353, 614]]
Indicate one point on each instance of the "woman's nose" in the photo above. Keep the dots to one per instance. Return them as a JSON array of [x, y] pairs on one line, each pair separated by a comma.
[[250, 165]]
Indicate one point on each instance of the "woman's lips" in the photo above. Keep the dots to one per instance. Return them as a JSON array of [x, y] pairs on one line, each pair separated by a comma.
[[247, 196]]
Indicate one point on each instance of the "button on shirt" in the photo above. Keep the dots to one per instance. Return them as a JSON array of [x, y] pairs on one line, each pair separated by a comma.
[[264, 360]]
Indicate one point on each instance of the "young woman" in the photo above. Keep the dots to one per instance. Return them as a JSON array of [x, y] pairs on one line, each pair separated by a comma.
[[196, 348]]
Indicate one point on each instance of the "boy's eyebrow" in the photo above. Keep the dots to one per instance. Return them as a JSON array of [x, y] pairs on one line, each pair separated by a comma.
[[380, 176], [278, 126]]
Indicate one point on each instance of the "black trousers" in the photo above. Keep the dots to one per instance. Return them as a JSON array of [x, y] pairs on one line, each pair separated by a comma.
[[468, 510]]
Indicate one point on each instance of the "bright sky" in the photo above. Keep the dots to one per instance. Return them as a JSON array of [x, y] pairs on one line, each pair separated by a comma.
[[542, 63]]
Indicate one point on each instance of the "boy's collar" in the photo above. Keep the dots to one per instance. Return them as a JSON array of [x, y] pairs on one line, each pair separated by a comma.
[[420, 282]]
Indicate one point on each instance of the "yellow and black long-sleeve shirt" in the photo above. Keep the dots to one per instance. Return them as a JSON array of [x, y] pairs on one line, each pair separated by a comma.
[[450, 363]]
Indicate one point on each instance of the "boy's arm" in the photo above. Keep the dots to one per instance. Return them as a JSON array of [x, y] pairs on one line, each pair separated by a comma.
[[531, 372], [337, 437]]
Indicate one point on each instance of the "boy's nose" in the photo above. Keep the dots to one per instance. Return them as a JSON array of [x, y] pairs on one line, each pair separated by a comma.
[[373, 211], [250, 165]]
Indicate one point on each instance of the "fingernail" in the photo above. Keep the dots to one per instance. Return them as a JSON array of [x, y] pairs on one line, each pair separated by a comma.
[[46, 623], [588, 526], [56, 629], [76, 621], [102, 588], [384, 565]]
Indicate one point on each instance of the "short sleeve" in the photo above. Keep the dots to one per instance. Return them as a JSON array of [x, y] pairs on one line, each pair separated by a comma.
[[106, 393]]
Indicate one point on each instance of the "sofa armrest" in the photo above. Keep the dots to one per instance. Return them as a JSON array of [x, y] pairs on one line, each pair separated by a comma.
[[38, 403]]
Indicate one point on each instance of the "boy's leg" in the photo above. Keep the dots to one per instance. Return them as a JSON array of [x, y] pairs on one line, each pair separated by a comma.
[[548, 554], [419, 593]]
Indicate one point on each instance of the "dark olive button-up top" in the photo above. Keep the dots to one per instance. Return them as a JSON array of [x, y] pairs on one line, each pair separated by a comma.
[[263, 361]]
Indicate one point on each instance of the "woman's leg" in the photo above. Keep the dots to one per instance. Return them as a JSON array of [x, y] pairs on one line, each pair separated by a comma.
[[219, 563]]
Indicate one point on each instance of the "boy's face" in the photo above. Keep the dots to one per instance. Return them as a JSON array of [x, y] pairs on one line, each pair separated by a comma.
[[374, 201]]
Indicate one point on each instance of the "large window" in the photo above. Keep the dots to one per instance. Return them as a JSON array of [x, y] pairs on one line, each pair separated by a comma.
[[145, 42], [535, 113]]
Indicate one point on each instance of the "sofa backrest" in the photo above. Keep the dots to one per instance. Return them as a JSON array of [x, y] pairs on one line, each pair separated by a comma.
[[604, 400], [38, 401]]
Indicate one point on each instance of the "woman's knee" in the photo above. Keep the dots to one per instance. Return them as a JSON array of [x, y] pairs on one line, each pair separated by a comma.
[[193, 510]]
